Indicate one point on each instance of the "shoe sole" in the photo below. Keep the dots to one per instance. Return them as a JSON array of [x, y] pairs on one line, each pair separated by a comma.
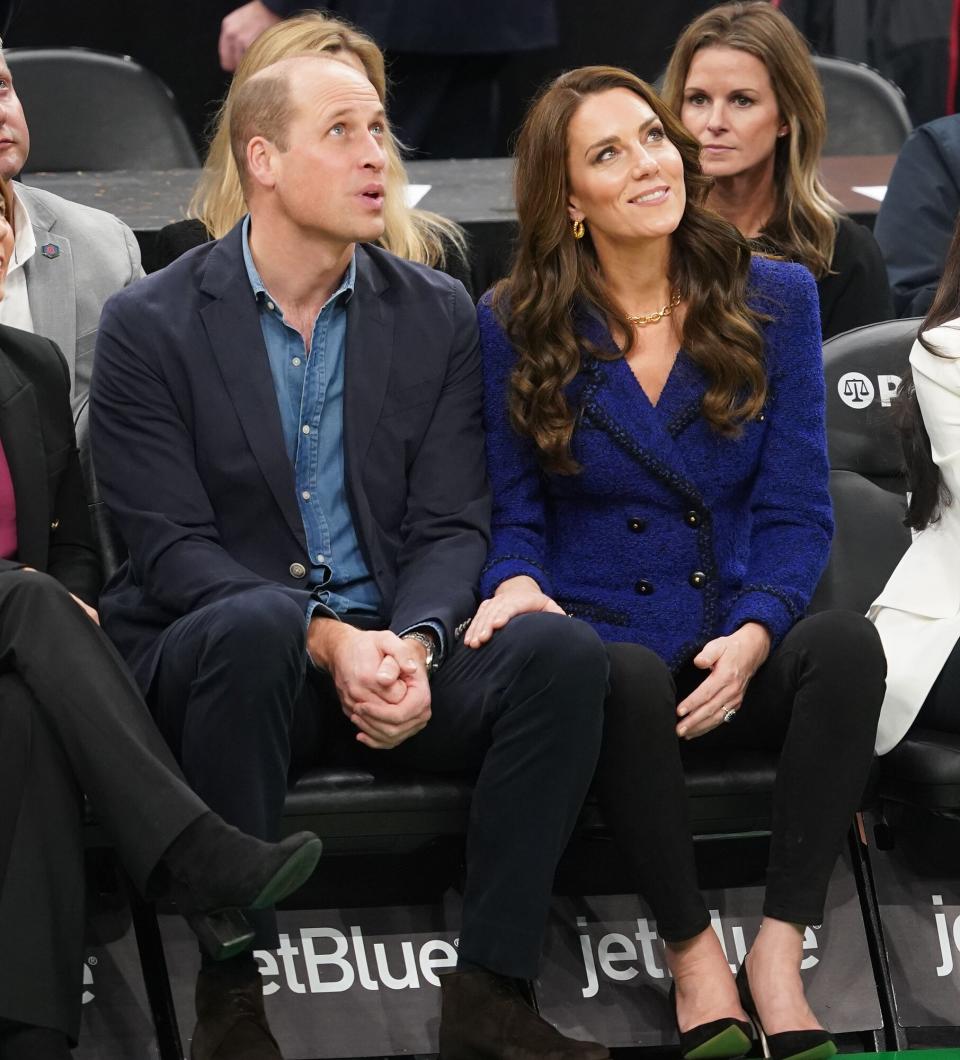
[[291, 875], [729, 1044], [818, 1052]]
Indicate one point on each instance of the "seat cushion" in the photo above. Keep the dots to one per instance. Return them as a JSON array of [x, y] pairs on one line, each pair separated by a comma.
[[923, 770]]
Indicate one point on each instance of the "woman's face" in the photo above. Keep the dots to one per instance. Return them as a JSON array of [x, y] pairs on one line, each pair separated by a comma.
[[730, 106], [6, 244], [625, 177]]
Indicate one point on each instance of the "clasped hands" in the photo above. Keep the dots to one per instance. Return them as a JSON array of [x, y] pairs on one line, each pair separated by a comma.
[[732, 660], [381, 680]]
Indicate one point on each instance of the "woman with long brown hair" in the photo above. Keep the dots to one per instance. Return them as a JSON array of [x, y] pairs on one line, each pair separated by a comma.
[[918, 612], [218, 204], [743, 83], [655, 431]]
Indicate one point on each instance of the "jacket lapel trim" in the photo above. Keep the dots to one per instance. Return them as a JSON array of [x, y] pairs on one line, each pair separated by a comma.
[[51, 283], [609, 404], [369, 355], [232, 323]]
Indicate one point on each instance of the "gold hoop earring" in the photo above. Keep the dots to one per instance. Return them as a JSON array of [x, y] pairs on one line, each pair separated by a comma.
[[578, 230]]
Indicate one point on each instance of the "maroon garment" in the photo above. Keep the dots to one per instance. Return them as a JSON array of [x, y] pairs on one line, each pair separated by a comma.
[[8, 511]]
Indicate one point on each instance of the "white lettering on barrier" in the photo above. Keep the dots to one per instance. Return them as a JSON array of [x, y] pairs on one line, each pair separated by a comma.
[[615, 949], [279, 967], [943, 936]]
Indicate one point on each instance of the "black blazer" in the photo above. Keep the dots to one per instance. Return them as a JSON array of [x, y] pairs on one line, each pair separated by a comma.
[[191, 462], [36, 428]]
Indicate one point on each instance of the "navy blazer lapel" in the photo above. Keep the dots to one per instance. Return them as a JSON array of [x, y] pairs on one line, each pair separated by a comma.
[[233, 328], [22, 439], [369, 353]]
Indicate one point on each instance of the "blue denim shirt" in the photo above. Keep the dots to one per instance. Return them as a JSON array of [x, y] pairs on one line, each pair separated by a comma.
[[309, 387]]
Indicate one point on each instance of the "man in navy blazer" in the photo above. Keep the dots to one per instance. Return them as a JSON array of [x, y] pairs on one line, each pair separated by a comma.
[[286, 428]]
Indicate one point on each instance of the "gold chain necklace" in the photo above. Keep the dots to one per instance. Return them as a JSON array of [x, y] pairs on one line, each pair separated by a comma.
[[654, 318]]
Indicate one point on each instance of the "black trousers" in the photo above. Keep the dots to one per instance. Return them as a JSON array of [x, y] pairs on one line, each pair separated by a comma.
[[941, 708], [71, 721], [816, 699], [238, 701]]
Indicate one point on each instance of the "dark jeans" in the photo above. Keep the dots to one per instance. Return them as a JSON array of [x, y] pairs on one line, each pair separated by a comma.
[[816, 699], [237, 701], [941, 708], [71, 720]]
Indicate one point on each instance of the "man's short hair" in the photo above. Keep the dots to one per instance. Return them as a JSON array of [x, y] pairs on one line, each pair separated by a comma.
[[263, 106]]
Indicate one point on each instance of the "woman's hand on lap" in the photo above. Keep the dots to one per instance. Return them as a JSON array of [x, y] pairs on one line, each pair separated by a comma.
[[515, 596], [733, 661]]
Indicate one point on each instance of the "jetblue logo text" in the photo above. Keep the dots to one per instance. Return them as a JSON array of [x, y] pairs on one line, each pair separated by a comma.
[[619, 959], [327, 962]]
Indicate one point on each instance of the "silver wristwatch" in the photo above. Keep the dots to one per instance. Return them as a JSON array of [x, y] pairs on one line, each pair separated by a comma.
[[429, 643]]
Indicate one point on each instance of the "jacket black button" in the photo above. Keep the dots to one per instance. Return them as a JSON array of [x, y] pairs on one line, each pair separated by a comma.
[[692, 518], [644, 588], [636, 525], [698, 579]]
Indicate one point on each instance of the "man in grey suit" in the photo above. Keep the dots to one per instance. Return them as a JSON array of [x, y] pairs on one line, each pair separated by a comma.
[[68, 259]]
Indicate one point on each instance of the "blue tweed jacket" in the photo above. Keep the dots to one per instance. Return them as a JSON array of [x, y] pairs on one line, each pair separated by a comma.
[[671, 535]]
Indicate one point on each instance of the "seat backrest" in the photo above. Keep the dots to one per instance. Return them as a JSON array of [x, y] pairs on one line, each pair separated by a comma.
[[863, 369], [94, 111], [866, 114]]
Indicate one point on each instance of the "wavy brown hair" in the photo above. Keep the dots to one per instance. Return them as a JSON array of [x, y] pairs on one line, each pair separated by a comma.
[[928, 492], [554, 274], [804, 221]]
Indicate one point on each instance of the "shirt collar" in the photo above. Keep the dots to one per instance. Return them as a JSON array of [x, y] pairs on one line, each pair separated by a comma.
[[259, 288], [25, 240]]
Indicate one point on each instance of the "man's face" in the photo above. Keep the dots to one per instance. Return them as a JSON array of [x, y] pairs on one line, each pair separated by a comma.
[[14, 135], [330, 180]]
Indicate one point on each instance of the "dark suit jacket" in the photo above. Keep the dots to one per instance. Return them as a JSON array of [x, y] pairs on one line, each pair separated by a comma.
[[36, 428], [191, 461]]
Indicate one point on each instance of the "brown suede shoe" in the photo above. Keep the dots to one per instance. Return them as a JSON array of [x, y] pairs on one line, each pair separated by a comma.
[[231, 1022], [486, 1017]]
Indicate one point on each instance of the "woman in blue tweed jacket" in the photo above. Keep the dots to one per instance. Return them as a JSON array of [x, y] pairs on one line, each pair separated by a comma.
[[656, 447]]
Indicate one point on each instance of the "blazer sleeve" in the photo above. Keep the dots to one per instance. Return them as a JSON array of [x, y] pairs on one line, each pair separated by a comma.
[[918, 213], [446, 526], [518, 531], [72, 556], [143, 451], [792, 519]]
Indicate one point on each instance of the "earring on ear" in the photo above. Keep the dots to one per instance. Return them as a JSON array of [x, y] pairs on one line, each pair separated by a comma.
[[578, 229], [782, 132]]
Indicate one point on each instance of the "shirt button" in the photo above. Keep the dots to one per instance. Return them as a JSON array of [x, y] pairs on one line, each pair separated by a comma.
[[296, 362], [321, 558], [306, 428], [305, 495], [298, 570], [644, 588], [692, 518], [271, 306], [636, 525], [698, 579]]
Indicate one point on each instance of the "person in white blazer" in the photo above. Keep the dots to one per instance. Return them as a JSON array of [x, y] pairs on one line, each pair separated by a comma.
[[918, 613]]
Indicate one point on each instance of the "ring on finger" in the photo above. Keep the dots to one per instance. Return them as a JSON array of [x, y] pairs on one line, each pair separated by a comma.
[[730, 714]]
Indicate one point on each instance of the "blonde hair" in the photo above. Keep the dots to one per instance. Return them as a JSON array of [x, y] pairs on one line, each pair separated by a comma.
[[804, 221], [218, 201]]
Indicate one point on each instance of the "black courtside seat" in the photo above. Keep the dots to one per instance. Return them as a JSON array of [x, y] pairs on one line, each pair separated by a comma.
[[95, 111], [862, 366], [866, 113]]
